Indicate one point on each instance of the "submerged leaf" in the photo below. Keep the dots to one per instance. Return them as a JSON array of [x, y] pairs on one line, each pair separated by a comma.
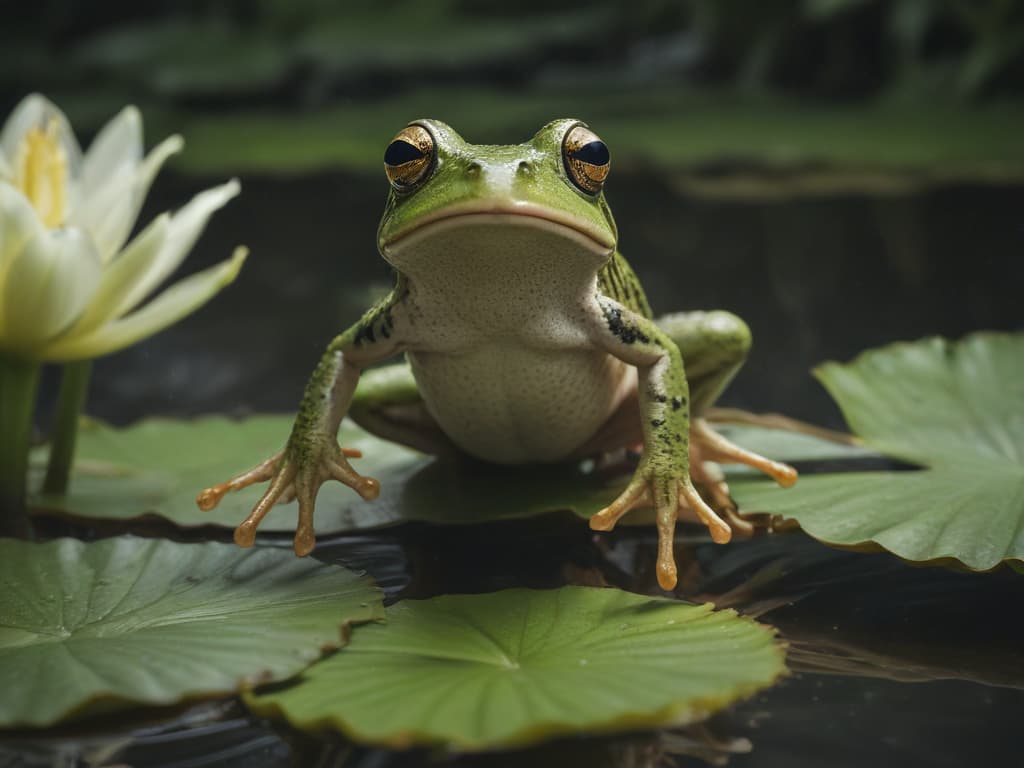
[[514, 667], [957, 409], [137, 621]]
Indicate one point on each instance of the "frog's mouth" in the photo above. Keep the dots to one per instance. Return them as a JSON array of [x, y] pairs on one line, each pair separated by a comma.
[[580, 231]]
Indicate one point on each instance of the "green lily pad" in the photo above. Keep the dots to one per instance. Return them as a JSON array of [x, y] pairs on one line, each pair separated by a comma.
[[87, 626], [506, 669], [158, 466], [956, 409]]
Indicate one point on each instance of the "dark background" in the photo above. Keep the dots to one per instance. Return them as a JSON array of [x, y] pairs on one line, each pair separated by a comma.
[[841, 173]]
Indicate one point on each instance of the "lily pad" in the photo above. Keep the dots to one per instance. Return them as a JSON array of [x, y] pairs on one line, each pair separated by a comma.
[[510, 668], [956, 409], [87, 626], [158, 466]]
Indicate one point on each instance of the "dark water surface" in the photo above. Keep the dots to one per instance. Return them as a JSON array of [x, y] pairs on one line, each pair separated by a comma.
[[893, 664]]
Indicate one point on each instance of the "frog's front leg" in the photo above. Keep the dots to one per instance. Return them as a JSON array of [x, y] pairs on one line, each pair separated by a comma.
[[714, 345], [312, 455], [662, 479]]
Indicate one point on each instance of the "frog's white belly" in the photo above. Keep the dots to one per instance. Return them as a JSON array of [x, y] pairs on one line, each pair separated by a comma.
[[513, 404], [498, 308]]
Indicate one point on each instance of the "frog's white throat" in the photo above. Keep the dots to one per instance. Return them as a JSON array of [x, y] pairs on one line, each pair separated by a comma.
[[498, 245]]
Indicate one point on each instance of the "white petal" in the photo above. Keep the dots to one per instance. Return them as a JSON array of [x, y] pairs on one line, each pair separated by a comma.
[[6, 172], [35, 111], [108, 212], [107, 208], [121, 275], [154, 162], [19, 222], [185, 227], [46, 287], [176, 302], [117, 147]]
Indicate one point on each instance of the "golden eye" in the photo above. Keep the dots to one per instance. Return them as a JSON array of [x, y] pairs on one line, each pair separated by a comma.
[[586, 159], [409, 157]]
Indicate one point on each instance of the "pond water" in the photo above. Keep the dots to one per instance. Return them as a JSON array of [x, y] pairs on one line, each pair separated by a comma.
[[893, 664]]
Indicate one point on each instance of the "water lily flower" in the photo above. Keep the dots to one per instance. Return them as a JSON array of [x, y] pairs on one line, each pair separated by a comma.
[[72, 287]]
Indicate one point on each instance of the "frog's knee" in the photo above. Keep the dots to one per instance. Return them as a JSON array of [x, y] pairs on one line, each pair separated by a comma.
[[713, 337], [728, 333]]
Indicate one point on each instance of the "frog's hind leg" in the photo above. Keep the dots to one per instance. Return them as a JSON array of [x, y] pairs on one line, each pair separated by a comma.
[[714, 346], [387, 403]]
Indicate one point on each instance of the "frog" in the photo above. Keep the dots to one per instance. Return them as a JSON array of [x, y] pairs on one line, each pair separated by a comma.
[[527, 338]]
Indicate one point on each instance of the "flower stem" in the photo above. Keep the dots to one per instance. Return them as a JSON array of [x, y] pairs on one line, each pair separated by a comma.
[[73, 388], [18, 382]]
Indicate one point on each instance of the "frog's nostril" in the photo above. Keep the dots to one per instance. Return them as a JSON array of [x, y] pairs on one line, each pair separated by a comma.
[[474, 169], [525, 168]]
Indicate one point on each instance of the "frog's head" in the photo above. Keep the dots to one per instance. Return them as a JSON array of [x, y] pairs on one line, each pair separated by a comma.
[[536, 195]]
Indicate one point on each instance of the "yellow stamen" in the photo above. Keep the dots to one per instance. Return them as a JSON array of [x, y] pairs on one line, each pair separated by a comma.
[[40, 172]]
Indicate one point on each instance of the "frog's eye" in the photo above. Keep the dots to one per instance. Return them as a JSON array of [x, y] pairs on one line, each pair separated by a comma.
[[409, 157], [586, 159]]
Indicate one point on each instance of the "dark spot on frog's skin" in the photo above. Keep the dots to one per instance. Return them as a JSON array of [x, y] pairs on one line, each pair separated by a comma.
[[365, 333], [677, 403], [626, 333], [678, 437], [657, 422], [661, 398]]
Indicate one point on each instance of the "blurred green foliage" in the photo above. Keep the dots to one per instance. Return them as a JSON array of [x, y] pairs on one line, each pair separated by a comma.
[[667, 128], [193, 63], [255, 48]]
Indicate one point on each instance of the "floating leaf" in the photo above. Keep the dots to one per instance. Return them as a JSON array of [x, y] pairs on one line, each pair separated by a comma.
[[957, 409], [519, 666], [130, 620], [158, 466]]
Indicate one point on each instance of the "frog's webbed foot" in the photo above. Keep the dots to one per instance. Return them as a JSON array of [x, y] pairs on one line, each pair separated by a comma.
[[713, 447], [290, 479], [709, 479], [706, 445], [672, 497]]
